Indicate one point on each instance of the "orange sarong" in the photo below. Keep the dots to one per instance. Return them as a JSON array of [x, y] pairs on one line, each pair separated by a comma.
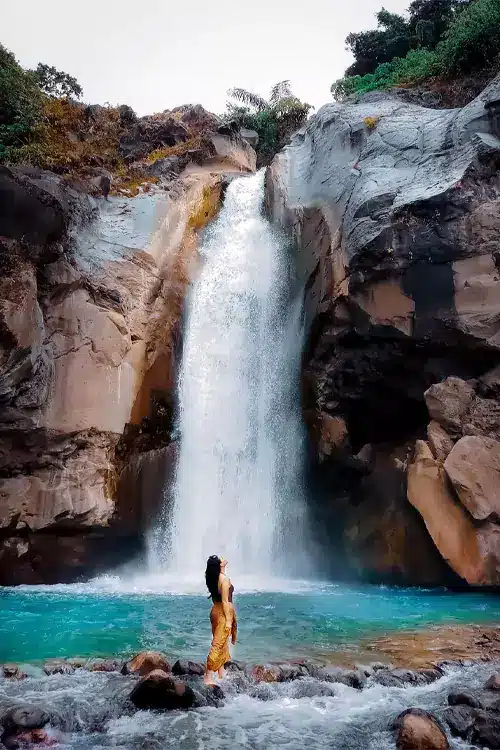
[[219, 650]]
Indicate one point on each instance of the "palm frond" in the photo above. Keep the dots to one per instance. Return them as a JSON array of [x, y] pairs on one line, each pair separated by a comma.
[[249, 98], [280, 90]]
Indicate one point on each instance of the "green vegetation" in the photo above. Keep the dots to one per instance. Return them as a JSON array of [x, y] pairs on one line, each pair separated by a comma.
[[437, 38], [274, 119]]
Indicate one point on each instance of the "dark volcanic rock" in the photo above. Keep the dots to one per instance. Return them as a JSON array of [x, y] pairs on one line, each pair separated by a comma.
[[352, 677], [161, 691], [150, 133], [24, 717], [464, 699], [185, 667], [460, 719], [486, 730], [58, 666], [399, 677]]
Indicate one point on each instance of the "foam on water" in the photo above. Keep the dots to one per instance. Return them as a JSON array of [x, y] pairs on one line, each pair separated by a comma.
[[93, 713]]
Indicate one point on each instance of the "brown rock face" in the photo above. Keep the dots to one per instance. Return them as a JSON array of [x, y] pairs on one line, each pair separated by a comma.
[[146, 662], [440, 442], [91, 306], [418, 730], [473, 467], [448, 523]]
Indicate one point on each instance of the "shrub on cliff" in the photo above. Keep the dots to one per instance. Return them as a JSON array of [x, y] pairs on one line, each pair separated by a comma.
[[20, 103], [473, 39], [469, 38], [274, 119]]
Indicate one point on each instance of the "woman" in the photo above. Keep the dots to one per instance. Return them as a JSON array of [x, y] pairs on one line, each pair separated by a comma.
[[222, 617]]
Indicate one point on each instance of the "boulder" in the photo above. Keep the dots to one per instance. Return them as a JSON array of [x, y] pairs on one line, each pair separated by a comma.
[[146, 662], [448, 403], [449, 525], [473, 467], [464, 699], [416, 729], [400, 677], [13, 672], [250, 136], [58, 666], [486, 730], [439, 441], [185, 667], [493, 682], [483, 418], [354, 678], [460, 719], [105, 665], [267, 673], [24, 717], [150, 133], [159, 690]]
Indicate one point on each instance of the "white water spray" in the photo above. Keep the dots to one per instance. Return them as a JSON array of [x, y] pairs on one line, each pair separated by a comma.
[[238, 490]]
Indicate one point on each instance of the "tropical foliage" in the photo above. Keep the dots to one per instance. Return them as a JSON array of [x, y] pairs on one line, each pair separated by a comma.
[[437, 37], [274, 119]]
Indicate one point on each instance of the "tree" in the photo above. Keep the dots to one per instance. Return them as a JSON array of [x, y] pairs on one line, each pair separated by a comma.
[[20, 103], [56, 83], [274, 119], [391, 39]]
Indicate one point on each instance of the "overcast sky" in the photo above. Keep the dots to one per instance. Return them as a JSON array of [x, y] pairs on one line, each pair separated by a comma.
[[157, 54]]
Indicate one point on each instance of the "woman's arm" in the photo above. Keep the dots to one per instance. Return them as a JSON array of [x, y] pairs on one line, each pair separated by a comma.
[[226, 606]]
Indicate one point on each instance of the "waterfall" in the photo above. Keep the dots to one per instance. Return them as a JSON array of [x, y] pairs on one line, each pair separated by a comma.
[[238, 488]]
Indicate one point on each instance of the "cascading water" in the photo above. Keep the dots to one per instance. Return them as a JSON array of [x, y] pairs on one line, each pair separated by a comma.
[[238, 489]]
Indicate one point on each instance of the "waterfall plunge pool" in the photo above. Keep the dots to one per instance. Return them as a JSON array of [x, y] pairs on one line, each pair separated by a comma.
[[115, 617]]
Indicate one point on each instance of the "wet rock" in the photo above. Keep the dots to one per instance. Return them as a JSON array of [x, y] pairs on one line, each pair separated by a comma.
[[24, 717], [473, 467], [13, 672], [460, 719], [448, 402], [267, 673], [146, 662], [400, 677], [159, 690], [105, 665], [208, 695], [236, 666], [464, 699], [493, 682], [350, 677], [184, 667], [58, 666], [292, 672], [486, 730], [416, 729]]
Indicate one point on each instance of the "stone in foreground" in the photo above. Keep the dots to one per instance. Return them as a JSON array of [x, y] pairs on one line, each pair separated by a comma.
[[184, 667], [145, 662], [460, 719], [159, 690], [416, 729]]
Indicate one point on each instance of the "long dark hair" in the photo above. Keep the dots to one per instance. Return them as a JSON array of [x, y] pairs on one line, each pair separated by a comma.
[[212, 574]]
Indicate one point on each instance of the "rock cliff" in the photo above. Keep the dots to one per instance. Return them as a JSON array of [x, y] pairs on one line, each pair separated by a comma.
[[91, 299], [393, 214]]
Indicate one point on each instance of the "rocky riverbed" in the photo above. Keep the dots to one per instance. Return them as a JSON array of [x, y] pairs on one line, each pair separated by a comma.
[[447, 696]]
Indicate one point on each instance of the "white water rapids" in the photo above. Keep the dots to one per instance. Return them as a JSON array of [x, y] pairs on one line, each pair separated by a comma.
[[238, 489]]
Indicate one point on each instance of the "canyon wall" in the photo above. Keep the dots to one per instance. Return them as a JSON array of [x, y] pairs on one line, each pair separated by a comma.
[[393, 216], [91, 301]]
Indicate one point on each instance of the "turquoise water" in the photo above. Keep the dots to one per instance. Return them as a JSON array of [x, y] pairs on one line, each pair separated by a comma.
[[85, 621]]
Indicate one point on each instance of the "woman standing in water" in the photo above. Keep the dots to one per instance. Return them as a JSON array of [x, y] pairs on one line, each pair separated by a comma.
[[222, 617]]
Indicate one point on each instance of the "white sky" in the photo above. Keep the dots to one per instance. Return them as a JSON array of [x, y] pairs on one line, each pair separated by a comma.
[[157, 54]]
